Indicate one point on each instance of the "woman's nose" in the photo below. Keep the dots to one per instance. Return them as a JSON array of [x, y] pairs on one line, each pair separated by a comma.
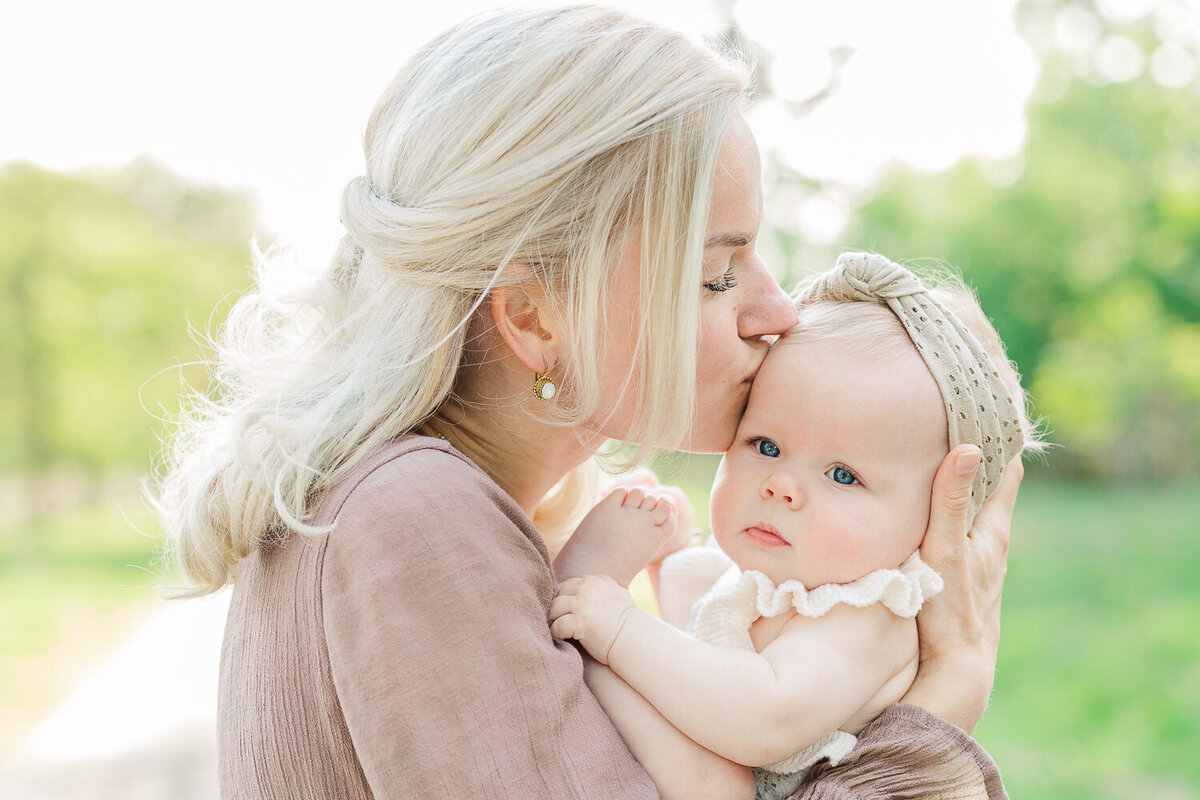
[[785, 488], [767, 310]]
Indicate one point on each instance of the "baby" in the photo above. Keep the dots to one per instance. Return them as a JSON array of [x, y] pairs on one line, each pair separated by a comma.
[[802, 624]]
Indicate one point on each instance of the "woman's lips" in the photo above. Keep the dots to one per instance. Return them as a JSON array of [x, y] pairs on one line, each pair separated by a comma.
[[754, 372], [766, 535]]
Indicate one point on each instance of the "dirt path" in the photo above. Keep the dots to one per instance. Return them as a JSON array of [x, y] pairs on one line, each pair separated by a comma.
[[139, 726]]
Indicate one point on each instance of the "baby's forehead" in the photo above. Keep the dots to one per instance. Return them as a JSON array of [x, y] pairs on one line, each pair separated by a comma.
[[795, 361], [807, 383]]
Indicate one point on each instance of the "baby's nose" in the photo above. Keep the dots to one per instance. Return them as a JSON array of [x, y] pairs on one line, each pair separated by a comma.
[[784, 488]]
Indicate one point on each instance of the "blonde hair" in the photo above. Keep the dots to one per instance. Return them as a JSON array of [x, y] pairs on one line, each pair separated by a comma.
[[542, 138], [873, 328]]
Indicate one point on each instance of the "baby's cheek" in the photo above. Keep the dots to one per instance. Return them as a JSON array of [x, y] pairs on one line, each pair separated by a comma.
[[842, 555], [719, 500], [908, 530], [858, 541]]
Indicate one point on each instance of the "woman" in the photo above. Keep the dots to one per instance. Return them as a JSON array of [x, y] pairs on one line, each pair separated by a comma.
[[562, 200]]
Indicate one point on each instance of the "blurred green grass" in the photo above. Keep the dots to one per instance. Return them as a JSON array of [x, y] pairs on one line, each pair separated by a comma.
[[1098, 685], [1097, 689]]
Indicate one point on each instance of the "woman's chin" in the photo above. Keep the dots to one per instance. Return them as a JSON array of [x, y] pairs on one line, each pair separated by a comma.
[[714, 432]]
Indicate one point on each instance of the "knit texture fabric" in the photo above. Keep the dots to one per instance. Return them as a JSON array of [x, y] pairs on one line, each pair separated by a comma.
[[979, 408]]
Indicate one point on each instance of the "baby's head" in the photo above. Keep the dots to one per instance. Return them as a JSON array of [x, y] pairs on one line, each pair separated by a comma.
[[830, 475]]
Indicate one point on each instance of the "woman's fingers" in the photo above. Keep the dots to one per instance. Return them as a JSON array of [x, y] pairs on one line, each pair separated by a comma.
[[1006, 492], [960, 628], [988, 549], [946, 535], [950, 620], [996, 513]]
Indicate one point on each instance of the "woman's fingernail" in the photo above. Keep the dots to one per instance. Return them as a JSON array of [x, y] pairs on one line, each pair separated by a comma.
[[967, 462]]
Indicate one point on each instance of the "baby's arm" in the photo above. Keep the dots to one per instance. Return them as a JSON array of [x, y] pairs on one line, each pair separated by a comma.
[[680, 768], [686, 576], [618, 537], [752, 708]]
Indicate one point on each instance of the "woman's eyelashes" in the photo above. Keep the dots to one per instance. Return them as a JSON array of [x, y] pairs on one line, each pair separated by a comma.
[[727, 281]]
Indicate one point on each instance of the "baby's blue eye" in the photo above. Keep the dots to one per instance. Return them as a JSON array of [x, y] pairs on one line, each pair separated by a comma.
[[842, 475], [767, 448]]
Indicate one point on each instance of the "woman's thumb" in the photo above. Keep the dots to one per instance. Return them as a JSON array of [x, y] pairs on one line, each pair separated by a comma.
[[952, 497]]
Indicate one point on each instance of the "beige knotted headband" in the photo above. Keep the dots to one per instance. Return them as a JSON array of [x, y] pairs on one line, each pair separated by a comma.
[[979, 408]]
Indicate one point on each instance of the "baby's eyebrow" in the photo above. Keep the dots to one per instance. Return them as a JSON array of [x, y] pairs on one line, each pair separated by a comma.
[[728, 240]]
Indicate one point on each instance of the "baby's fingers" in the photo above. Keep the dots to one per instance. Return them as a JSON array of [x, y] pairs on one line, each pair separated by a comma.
[[564, 601], [563, 622], [565, 627]]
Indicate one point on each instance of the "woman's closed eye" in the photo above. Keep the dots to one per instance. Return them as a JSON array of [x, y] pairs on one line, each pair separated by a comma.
[[842, 475], [727, 281]]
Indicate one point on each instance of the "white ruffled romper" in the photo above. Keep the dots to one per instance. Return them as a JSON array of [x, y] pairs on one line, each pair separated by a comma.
[[724, 614]]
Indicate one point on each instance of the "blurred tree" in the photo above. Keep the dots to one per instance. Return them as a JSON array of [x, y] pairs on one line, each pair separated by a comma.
[[1086, 249], [99, 275]]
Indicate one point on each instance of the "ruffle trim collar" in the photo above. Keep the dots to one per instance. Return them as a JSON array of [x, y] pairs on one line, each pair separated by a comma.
[[901, 590]]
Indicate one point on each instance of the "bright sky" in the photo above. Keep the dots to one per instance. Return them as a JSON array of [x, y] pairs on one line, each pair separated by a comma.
[[265, 96]]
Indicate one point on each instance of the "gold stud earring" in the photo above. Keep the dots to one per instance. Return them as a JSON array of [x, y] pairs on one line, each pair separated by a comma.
[[543, 387]]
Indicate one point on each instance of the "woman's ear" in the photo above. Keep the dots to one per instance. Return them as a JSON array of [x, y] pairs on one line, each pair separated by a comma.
[[522, 316]]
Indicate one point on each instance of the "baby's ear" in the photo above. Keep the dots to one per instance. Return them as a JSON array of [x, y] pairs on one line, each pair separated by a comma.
[[525, 320]]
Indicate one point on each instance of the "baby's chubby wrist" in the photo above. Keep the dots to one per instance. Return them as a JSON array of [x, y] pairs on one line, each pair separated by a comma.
[[631, 612], [592, 609]]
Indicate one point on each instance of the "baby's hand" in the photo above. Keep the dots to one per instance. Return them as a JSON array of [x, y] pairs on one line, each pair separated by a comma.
[[619, 536], [591, 609]]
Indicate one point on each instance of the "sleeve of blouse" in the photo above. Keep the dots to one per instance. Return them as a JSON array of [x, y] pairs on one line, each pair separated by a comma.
[[908, 752], [435, 598]]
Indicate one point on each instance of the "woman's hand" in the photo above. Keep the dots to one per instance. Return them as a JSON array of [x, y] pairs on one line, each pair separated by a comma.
[[960, 628]]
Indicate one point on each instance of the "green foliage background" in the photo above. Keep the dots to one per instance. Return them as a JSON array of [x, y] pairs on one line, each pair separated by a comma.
[[1089, 264], [102, 275]]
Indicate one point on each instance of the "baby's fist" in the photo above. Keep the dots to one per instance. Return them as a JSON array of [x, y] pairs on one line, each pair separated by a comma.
[[591, 609]]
